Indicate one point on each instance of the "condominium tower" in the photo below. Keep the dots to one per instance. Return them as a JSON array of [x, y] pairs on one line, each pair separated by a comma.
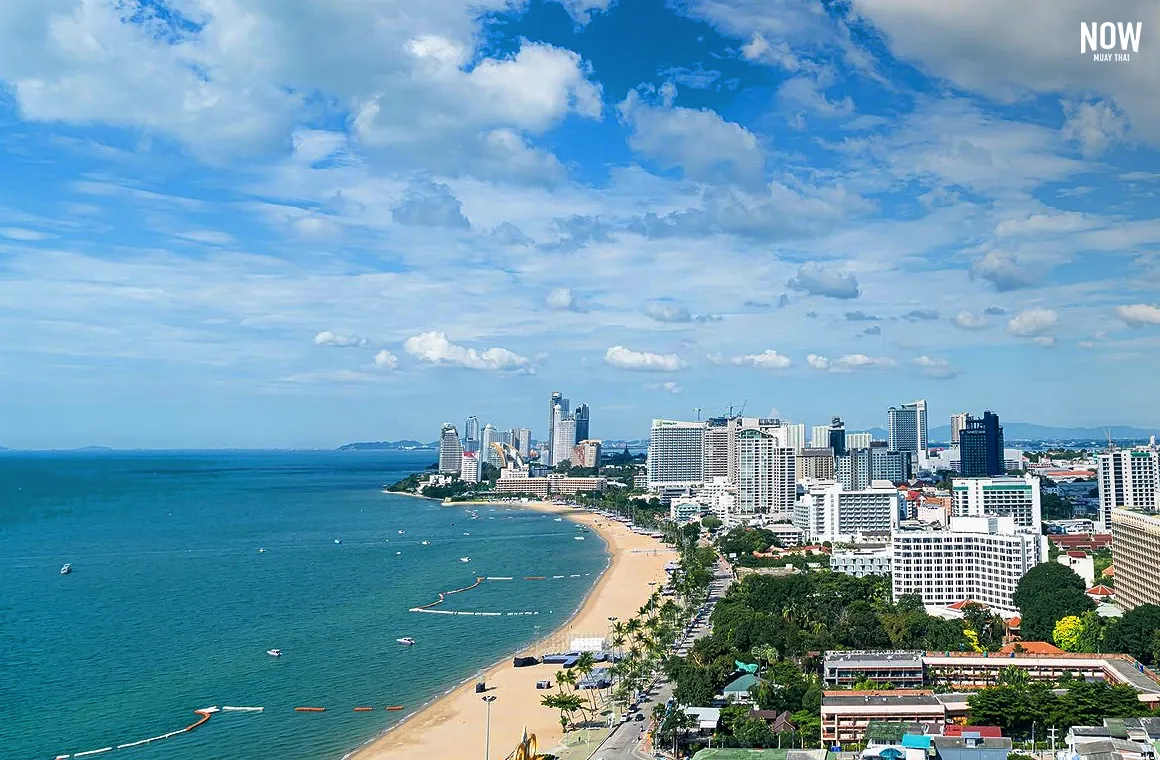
[[907, 428], [1015, 497], [450, 450], [1135, 548], [1128, 479], [766, 482], [676, 454]]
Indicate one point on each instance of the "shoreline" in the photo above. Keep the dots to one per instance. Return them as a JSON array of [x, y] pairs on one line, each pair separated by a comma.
[[446, 721]]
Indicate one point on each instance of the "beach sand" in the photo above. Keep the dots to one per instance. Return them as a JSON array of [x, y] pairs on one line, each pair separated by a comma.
[[453, 726]]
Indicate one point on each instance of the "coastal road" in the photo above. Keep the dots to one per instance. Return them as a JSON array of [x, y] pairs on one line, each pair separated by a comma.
[[626, 740]]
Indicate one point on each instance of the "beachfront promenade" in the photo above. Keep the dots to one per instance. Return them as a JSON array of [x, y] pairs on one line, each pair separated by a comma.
[[455, 725]]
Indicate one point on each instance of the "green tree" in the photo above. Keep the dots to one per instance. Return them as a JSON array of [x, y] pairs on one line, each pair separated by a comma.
[[710, 522], [1068, 633], [987, 627], [1134, 633], [1046, 593], [1091, 636], [754, 732]]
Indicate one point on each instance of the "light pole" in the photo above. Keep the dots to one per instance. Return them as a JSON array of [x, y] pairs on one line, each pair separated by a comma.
[[487, 731]]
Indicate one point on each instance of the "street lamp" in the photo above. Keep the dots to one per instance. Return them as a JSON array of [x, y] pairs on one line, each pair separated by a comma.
[[487, 731]]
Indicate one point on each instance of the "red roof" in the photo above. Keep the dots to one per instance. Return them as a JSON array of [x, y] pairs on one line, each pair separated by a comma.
[[1109, 571], [1032, 647], [1015, 622], [1082, 541], [1100, 590], [1077, 555], [987, 732], [959, 605]]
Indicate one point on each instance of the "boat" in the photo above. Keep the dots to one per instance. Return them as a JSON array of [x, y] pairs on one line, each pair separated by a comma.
[[402, 532], [66, 569], [397, 553], [406, 641], [337, 541], [466, 533], [465, 559], [577, 538], [559, 519], [261, 551], [274, 652], [425, 543]]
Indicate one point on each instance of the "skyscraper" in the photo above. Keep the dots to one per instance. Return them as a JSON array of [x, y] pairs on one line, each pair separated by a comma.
[[820, 437], [1128, 479], [563, 437], [981, 447], [522, 440], [907, 429], [858, 440], [581, 416], [675, 453], [558, 405], [958, 422], [766, 480], [796, 435], [450, 450], [487, 452], [854, 469], [838, 436], [471, 434]]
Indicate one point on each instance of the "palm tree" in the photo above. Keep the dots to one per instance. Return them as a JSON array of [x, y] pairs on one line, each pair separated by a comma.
[[565, 677]]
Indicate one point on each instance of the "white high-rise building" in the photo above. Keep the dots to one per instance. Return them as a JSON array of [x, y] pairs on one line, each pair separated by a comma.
[[469, 467], [450, 450], [1004, 496], [979, 558], [471, 434], [907, 429], [795, 435], [854, 469], [766, 483], [720, 448], [1135, 547], [556, 404], [487, 452], [1128, 479], [676, 454], [858, 440], [563, 437], [522, 440], [820, 437], [828, 512], [958, 423]]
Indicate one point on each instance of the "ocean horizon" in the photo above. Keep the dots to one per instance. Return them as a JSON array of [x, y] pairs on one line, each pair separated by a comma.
[[171, 607]]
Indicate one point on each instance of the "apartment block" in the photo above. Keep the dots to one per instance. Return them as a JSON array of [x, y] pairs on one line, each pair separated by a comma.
[[1015, 497], [828, 512], [1128, 479], [1135, 555]]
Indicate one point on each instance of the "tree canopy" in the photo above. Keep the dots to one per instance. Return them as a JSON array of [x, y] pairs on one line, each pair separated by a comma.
[[1135, 633], [1046, 593]]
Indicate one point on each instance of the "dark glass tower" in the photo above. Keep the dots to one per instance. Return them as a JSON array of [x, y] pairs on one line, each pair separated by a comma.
[[838, 437], [981, 447], [581, 416]]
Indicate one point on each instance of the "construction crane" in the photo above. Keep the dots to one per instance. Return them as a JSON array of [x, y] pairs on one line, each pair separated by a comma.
[[740, 413]]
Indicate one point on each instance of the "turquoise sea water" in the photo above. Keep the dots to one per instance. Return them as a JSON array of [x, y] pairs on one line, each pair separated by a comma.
[[171, 607]]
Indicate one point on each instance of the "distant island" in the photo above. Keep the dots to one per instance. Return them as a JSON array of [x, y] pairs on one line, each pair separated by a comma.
[[404, 445]]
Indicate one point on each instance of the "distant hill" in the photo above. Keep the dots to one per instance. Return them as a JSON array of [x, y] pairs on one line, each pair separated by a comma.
[[404, 445], [1029, 431]]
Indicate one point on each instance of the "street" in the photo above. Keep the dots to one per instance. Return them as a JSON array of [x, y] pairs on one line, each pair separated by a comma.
[[627, 740]]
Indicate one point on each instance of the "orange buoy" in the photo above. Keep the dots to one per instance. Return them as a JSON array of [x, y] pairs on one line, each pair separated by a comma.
[[309, 709], [395, 707], [363, 709]]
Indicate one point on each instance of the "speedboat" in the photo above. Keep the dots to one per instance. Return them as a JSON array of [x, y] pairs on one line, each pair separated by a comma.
[[397, 553], [406, 641], [66, 569], [425, 543], [559, 519], [274, 652], [337, 541], [261, 551], [402, 532], [465, 559], [466, 533], [577, 538]]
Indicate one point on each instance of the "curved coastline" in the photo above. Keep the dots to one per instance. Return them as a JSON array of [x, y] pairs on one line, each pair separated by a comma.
[[443, 721]]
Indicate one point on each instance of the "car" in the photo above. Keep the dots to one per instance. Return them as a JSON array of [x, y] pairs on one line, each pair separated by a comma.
[[639, 717]]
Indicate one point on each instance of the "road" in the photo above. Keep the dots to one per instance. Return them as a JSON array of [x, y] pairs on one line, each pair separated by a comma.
[[626, 742]]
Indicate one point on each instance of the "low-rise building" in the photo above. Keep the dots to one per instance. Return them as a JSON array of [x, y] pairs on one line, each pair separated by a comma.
[[685, 509], [902, 669], [861, 563], [847, 714], [1082, 564]]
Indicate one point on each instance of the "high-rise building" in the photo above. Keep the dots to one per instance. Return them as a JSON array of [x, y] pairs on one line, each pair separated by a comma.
[[766, 483], [828, 512], [1135, 547], [450, 450], [981, 447], [676, 454], [1128, 479], [563, 436], [838, 436], [469, 467], [907, 429], [958, 422], [795, 435], [557, 401], [522, 440], [858, 440], [586, 454], [820, 437], [471, 434], [720, 448], [1003, 496], [979, 558], [854, 469], [889, 465], [488, 453], [816, 464], [581, 416]]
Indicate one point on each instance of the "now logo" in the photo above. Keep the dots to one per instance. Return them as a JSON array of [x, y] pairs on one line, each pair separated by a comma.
[[1095, 36]]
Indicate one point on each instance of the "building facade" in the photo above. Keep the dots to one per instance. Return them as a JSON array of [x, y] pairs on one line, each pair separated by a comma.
[[816, 464], [958, 422], [853, 469], [1016, 497], [469, 467], [827, 512], [820, 437], [858, 440], [450, 450], [581, 415], [837, 439], [906, 428], [889, 465], [675, 454], [1128, 479], [979, 558], [766, 481], [563, 437], [471, 434], [981, 447], [522, 440], [556, 401], [586, 454], [861, 563], [1135, 554], [487, 452]]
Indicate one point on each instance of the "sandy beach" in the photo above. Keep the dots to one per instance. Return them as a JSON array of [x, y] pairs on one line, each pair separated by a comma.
[[453, 726]]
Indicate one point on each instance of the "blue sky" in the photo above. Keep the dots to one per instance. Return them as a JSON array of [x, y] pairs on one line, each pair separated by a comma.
[[304, 222]]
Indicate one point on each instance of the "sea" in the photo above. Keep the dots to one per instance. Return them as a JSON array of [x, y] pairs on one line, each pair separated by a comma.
[[171, 605]]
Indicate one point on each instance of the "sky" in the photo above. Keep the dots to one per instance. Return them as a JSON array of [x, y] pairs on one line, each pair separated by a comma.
[[297, 223]]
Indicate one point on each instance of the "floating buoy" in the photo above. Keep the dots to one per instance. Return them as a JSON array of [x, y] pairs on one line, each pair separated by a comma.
[[309, 709], [363, 709], [394, 708]]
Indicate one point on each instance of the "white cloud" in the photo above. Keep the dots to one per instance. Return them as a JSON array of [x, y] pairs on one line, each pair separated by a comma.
[[936, 368], [562, 299], [435, 348], [1047, 341], [1086, 344], [700, 142], [1139, 314], [22, 234], [1094, 125], [328, 338], [581, 10], [862, 361], [385, 360], [819, 280], [818, 362], [1032, 322], [663, 310], [430, 204], [969, 321], [1002, 270], [207, 237], [625, 358], [767, 359], [667, 387]]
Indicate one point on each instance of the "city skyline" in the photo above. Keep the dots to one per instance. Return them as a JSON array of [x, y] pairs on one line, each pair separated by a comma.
[[262, 246]]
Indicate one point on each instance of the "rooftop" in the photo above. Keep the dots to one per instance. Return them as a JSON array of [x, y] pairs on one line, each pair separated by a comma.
[[899, 658], [894, 698]]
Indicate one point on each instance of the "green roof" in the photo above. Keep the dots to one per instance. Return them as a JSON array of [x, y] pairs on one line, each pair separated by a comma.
[[886, 731], [743, 684]]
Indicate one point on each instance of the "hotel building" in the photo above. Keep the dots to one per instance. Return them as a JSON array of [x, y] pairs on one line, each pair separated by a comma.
[[1135, 549]]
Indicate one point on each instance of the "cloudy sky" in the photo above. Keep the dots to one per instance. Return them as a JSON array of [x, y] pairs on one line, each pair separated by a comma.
[[304, 222]]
